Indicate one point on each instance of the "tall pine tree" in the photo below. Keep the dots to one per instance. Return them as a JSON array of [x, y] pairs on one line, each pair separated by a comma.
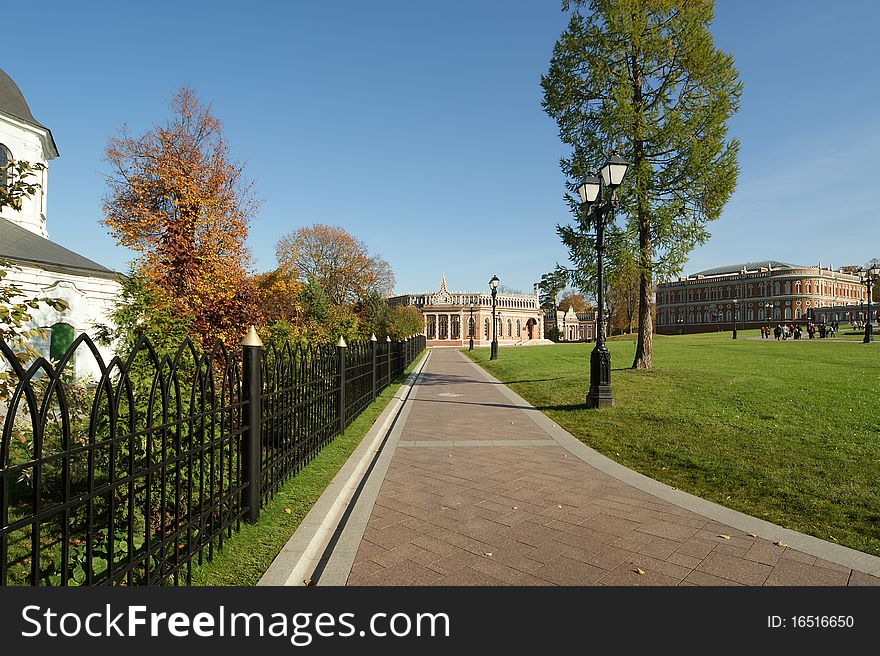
[[645, 78]]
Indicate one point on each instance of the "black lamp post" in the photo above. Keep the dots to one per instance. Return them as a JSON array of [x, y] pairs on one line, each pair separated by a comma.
[[471, 329], [493, 351], [767, 308], [591, 190], [869, 278], [735, 308]]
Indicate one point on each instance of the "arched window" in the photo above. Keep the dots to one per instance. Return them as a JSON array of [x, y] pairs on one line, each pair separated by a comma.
[[787, 313], [797, 313], [788, 287], [486, 329], [776, 289], [705, 317], [432, 326], [751, 314], [728, 315], [761, 289], [797, 287], [518, 328], [509, 328], [5, 158]]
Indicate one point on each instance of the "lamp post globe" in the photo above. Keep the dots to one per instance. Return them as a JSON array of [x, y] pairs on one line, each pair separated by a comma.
[[493, 350], [598, 196]]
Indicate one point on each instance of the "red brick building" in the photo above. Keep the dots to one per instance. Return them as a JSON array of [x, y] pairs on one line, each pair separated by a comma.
[[757, 293]]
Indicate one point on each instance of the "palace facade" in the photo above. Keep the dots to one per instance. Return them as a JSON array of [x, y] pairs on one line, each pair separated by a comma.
[[452, 317], [754, 294], [573, 326]]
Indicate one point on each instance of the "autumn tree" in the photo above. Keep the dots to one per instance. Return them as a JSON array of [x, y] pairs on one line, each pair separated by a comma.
[[644, 77], [575, 300], [340, 263], [177, 199], [278, 297], [624, 292]]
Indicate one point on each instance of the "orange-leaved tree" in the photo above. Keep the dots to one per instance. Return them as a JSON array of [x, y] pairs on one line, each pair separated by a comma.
[[177, 199], [340, 263]]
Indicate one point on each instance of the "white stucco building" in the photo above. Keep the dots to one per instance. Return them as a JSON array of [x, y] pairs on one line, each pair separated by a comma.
[[42, 267]]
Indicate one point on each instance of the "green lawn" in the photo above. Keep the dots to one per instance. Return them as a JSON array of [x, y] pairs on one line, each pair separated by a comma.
[[785, 431], [250, 551]]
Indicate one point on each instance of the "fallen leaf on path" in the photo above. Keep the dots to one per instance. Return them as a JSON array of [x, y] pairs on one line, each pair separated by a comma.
[[780, 544], [516, 507], [488, 554], [724, 537], [308, 582], [640, 571], [751, 535], [559, 506]]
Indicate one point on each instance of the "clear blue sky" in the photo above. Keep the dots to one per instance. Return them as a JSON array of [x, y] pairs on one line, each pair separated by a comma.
[[417, 126]]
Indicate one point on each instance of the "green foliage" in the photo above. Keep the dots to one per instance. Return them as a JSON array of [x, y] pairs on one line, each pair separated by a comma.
[[551, 285], [20, 183], [405, 321], [314, 301], [644, 77]]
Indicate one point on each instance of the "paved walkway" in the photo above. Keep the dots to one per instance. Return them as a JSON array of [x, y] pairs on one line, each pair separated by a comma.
[[479, 489]]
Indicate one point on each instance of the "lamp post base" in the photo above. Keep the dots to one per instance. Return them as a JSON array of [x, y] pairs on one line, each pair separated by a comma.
[[734, 333], [869, 334], [471, 344], [493, 351], [600, 395]]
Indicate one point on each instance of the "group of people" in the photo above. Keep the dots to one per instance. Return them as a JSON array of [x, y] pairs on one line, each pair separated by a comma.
[[785, 331]]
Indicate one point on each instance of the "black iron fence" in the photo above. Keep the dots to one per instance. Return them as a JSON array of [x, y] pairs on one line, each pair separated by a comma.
[[130, 479]]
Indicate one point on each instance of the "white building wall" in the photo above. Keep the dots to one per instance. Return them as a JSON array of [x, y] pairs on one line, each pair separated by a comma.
[[29, 143], [90, 301]]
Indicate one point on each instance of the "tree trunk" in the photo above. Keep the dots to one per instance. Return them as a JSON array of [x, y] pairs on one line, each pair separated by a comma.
[[645, 345]]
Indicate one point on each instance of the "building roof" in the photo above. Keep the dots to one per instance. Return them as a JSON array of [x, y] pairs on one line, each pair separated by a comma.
[[12, 103], [750, 267], [21, 246]]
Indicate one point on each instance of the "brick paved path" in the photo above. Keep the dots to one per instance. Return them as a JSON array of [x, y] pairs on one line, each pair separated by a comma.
[[478, 494]]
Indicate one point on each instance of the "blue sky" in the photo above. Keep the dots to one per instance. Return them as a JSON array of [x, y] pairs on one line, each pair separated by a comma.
[[417, 126]]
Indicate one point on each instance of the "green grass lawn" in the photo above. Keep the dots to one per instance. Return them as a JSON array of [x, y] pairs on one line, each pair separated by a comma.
[[785, 431], [250, 551]]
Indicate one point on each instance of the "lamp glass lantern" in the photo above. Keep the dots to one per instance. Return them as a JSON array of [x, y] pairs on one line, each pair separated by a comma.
[[589, 189], [613, 170], [493, 283]]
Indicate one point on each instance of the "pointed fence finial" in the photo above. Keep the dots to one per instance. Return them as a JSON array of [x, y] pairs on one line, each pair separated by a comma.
[[373, 337], [252, 338], [341, 342], [388, 338]]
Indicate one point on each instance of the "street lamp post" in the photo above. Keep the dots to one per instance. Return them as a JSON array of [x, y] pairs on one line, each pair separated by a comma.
[[869, 278], [493, 350], [591, 190], [735, 308], [767, 308], [471, 329]]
